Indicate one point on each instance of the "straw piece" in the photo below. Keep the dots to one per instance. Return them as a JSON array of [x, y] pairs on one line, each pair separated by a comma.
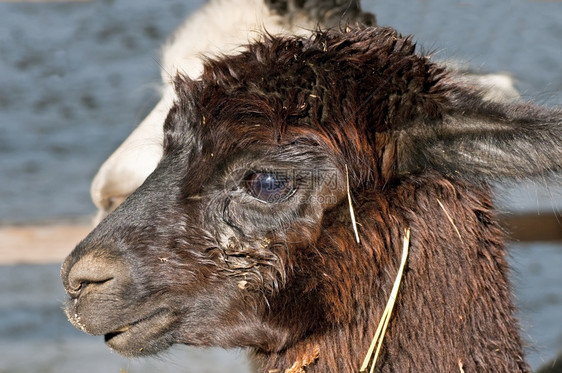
[[351, 211], [450, 219], [461, 366], [385, 319]]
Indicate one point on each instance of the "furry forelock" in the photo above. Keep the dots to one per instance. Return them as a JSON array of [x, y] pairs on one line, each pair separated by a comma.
[[342, 90]]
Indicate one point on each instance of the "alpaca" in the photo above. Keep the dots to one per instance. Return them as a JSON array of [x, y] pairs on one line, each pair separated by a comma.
[[243, 235], [222, 27]]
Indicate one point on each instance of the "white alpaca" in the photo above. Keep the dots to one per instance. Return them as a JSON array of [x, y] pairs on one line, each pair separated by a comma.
[[218, 28]]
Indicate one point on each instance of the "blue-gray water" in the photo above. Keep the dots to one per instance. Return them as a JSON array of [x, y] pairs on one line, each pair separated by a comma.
[[76, 78]]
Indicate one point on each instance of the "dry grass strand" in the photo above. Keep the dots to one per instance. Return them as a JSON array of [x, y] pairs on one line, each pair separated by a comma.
[[450, 219], [385, 319], [351, 210]]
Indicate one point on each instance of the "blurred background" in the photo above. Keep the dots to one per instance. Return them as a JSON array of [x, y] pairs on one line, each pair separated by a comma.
[[77, 77]]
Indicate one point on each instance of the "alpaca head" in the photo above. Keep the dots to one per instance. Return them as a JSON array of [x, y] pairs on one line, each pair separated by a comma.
[[241, 236]]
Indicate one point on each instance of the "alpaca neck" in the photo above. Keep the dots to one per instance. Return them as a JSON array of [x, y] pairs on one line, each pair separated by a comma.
[[453, 312], [334, 351]]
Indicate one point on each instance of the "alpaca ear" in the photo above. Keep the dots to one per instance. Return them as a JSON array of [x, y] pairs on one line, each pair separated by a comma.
[[483, 141]]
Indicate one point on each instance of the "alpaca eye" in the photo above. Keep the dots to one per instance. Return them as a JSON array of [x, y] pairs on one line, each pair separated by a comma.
[[269, 186]]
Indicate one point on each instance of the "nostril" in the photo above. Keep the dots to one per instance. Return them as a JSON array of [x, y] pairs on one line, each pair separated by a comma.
[[87, 271], [75, 289]]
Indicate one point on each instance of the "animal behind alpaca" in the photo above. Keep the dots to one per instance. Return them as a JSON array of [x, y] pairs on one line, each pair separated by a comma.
[[243, 237]]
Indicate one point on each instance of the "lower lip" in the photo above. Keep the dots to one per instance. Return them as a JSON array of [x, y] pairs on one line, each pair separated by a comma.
[[122, 335]]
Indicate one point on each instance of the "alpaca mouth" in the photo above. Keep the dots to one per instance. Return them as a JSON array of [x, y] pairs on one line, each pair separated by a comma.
[[111, 335], [138, 338]]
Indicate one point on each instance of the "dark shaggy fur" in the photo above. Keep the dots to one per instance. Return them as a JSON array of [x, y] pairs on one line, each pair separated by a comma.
[[242, 236], [329, 13]]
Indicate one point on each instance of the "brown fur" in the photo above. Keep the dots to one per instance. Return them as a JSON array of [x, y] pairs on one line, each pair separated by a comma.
[[194, 257]]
